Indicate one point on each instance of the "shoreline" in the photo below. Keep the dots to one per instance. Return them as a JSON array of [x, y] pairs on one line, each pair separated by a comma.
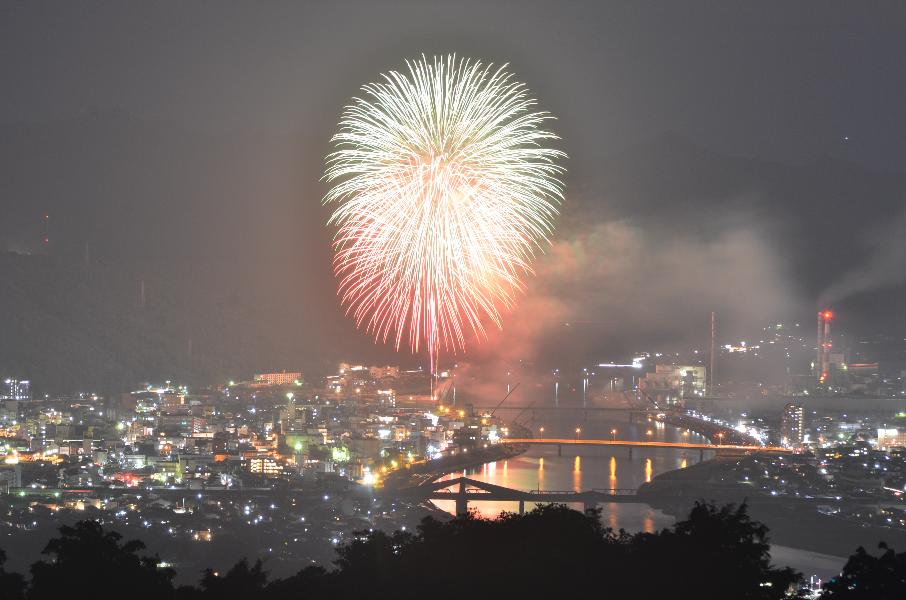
[[430, 471], [674, 493], [784, 529], [433, 469]]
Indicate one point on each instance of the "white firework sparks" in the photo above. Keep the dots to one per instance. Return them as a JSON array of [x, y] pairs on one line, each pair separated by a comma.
[[445, 189]]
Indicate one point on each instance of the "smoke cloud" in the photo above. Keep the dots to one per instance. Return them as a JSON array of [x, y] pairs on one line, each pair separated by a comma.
[[885, 267], [608, 289]]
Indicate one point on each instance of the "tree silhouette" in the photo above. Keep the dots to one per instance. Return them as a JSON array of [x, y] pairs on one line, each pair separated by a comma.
[[552, 551], [713, 551], [870, 577], [12, 585], [86, 555], [241, 581]]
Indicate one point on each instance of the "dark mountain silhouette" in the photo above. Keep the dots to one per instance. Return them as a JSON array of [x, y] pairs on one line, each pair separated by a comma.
[[827, 218], [227, 231], [818, 212]]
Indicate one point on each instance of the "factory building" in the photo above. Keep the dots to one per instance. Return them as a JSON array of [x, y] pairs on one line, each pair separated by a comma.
[[678, 381]]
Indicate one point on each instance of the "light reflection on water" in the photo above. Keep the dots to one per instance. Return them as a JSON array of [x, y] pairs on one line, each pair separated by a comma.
[[606, 468], [588, 467], [543, 470]]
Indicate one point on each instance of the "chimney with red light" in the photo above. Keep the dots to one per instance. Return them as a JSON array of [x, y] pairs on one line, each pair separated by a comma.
[[822, 364]]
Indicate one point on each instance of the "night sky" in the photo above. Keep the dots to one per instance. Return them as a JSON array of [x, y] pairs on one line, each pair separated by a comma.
[[746, 157], [776, 80]]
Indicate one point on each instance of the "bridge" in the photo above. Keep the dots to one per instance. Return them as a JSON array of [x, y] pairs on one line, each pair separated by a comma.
[[466, 490], [526, 407], [724, 448], [602, 411], [463, 490]]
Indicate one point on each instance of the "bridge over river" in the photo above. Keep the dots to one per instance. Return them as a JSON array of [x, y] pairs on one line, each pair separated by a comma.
[[462, 490], [718, 448]]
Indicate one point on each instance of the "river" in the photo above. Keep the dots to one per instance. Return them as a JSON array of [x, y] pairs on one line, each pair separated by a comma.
[[602, 467]]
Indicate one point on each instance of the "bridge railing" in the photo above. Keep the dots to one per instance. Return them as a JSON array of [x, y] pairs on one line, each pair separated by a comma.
[[615, 492], [607, 492]]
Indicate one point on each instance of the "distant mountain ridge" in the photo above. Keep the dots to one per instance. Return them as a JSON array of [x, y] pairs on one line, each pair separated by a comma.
[[228, 231], [822, 214]]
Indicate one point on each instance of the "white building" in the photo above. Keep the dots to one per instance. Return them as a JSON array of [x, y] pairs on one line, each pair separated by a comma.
[[282, 378], [792, 426], [891, 438], [16, 389], [681, 380]]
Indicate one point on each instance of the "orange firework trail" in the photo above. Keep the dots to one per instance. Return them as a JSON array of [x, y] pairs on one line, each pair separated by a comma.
[[445, 188]]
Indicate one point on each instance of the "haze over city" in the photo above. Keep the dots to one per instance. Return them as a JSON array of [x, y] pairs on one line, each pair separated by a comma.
[[219, 247], [189, 155]]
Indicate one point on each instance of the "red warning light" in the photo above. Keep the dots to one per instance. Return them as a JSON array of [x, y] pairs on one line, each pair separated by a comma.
[[827, 315]]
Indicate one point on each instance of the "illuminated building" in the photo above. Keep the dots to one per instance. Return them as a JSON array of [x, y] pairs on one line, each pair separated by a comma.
[[679, 380], [282, 378], [891, 438], [171, 399], [16, 389], [266, 466], [792, 425], [386, 397], [388, 372]]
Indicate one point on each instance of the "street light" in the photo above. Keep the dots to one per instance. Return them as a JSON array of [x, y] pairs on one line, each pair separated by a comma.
[[578, 431], [649, 433], [613, 435], [720, 436], [542, 432]]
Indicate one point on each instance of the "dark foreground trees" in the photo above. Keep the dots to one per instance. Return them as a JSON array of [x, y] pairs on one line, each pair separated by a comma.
[[86, 559], [12, 585], [549, 552], [867, 577]]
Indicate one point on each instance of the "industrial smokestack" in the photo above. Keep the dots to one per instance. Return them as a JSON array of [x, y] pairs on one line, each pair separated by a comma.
[[711, 366], [822, 362]]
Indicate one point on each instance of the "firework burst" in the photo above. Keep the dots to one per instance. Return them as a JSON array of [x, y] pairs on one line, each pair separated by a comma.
[[445, 187]]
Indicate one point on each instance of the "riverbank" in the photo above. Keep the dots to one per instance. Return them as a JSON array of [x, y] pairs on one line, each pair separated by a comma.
[[718, 434], [791, 525], [427, 471]]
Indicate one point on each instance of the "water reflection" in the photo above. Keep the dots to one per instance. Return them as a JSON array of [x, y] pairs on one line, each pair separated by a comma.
[[577, 474], [585, 468], [597, 468], [648, 524]]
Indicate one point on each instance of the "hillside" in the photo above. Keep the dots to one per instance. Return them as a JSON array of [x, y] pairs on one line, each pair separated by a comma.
[[227, 232]]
